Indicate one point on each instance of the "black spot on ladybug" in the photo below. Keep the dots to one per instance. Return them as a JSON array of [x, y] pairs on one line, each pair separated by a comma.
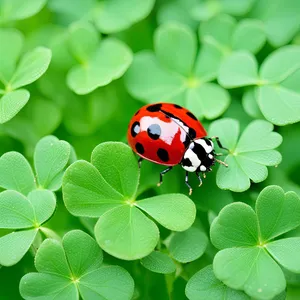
[[207, 141], [186, 162], [163, 154], [154, 107], [139, 148], [154, 131], [137, 112], [192, 133], [191, 115], [177, 106], [135, 129]]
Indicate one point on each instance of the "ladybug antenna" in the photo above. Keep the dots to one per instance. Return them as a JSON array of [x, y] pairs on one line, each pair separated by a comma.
[[221, 162]]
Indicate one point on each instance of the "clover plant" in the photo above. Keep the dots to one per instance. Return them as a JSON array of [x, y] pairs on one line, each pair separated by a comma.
[[79, 219]]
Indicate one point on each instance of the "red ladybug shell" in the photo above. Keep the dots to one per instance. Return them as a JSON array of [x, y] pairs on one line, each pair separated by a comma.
[[162, 132]]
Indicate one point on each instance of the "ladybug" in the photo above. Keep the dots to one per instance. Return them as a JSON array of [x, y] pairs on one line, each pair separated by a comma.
[[168, 134]]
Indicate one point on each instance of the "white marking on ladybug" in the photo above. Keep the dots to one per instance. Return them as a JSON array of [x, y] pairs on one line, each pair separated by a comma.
[[210, 156], [168, 129], [206, 147], [202, 168]]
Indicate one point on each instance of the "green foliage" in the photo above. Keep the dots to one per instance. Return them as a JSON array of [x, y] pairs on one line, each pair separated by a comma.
[[72, 75], [246, 239], [182, 77], [15, 75], [248, 155], [72, 268], [112, 197]]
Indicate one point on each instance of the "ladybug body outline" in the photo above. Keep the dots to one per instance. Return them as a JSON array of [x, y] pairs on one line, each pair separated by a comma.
[[168, 134]]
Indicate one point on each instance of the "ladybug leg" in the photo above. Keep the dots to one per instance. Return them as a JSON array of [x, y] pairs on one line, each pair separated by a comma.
[[218, 142], [187, 182], [140, 162], [162, 173], [200, 180]]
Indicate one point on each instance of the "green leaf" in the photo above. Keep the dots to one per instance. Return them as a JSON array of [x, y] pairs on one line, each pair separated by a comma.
[[83, 41], [43, 203], [280, 64], [19, 242], [108, 282], [77, 245], [47, 286], [16, 211], [125, 232], [122, 173], [279, 105], [238, 69], [156, 83], [208, 100], [277, 212], [174, 211], [235, 8], [117, 15], [11, 46], [86, 193], [50, 158], [250, 104], [249, 158], [286, 252], [280, 18], [31, 67], [188, 245], [249, 35], [171, 36], [16, 173], [204, 285], [18, 9], [11, 103], [109, 62], [236, 226], [50, 258], [159, 262], [251, 269]]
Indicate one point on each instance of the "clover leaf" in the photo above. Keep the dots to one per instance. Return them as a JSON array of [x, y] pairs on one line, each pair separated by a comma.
[[248, 155], [159, 262], [204, 285], [15, 74], [18, 9], [107, 188], [250, 257], [72, 268], [100, 62], [275, 12], [227, 35], [27, 214], [178, 74], [276, 84], [109, 16], [188, 245]]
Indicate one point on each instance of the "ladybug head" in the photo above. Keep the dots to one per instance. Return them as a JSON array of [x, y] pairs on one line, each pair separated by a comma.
[[199, 156]]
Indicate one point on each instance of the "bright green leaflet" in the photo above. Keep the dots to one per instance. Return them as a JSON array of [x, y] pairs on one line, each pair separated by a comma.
[[99, 62], [16, 173], [159, 262], [116, 15], [248, 155], [248, 259], [188, 245], [204, 285], [50, 159], [277, 91], [27, 214], [74, 267], [123, 230], [180, 76], [12, 10]]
